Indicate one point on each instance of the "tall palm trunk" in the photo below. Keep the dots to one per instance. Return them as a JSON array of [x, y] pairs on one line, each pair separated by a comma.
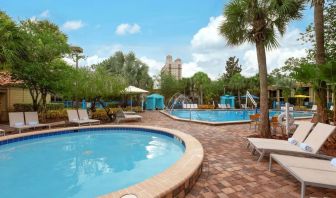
[[264, 117], [322, 113], [239, 101]]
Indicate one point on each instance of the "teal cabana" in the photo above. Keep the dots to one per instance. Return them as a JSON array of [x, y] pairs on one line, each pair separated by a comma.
[[154, 101], [227, 99]]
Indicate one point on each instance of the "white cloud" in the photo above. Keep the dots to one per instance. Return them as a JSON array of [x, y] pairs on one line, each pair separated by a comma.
[[45, 14], [154, 65], [103, 53], [33, 18], [73, 25], [92, 60], [210, 51], [126, 28]]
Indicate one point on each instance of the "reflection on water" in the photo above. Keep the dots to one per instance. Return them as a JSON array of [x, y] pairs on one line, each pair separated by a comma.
[[84, 164]]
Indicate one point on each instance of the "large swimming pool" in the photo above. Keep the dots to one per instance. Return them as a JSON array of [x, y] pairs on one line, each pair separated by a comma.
[[218, 116], [84, 163]]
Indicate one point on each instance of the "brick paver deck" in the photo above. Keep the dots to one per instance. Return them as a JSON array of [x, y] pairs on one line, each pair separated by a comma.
[[229, 168]]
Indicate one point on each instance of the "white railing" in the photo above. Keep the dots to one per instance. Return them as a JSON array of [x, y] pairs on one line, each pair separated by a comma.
[[248, 95]]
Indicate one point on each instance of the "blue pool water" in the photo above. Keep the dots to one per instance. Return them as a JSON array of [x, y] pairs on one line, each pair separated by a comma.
[[227, 115], [84, 164]]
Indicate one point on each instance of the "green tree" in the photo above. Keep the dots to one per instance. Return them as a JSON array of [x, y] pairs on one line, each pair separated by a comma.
[[238, 83], [95, 86], [201, 80], [40, 65], [328, 73], [129, 66], [232, 67], [283, 81], [76, 54], [255, 21], [10, 41], [169, 86], [322, 35]]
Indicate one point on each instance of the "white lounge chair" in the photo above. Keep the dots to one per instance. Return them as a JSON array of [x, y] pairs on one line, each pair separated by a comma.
[[16, 120], [121, 116], [299, 135], [315, 140], [331, 108], [184, 106], [33, 121], [73, 118], [224, 106], [83, 115], [312, 172], [314, 108], [228, 106], [2, 132]]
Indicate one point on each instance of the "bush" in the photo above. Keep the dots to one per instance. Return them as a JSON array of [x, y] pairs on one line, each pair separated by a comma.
[[57, 115], [100, 114], [135, 108], [55, 106], [20, 107], [206, 106]]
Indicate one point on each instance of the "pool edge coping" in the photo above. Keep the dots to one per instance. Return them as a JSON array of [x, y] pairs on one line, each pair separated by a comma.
[[218, 123], [159, 185]]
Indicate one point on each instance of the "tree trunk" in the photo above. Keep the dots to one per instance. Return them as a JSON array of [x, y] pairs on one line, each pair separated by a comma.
[[34, 93], [109, 114], [44, 105], [264, 117], [322, 114], [239, 101], [333, 99]]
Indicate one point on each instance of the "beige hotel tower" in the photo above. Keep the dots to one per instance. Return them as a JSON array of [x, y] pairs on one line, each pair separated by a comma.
[[173, 68]]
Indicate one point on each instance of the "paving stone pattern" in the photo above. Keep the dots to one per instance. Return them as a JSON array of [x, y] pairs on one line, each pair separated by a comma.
[[229, 168]]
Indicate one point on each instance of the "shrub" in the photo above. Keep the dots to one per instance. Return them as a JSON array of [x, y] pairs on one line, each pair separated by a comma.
[[100, 114], [55, 106], [135, 108], [21, 107], [206, 106], [60, 114]]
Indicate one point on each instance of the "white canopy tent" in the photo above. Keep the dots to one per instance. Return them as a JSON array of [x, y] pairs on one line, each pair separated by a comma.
[[131, 90]]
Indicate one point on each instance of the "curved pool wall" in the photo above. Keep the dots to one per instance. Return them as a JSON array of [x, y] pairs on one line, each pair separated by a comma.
[[177, 180], [222, 117]]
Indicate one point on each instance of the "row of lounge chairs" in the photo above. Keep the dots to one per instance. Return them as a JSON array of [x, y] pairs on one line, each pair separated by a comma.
[[306, 141], [29, 120], [224, 106], [190, 106], [26, 120], [80, 117]]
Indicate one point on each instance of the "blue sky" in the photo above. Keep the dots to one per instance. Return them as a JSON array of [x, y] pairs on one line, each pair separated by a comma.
[[152, 29]]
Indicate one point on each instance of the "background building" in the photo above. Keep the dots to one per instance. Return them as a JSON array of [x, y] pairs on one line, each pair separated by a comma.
[[12, 92], [173, 68]]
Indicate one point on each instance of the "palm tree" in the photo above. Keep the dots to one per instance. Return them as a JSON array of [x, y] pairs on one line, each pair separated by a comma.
[[320, 59], [201, 79], [256, 21], [237, 82]]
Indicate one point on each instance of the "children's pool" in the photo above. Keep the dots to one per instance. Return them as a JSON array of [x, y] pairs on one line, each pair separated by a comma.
[[84, 163]]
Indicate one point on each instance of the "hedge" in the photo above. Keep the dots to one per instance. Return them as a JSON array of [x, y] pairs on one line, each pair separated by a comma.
[[21, 107]]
